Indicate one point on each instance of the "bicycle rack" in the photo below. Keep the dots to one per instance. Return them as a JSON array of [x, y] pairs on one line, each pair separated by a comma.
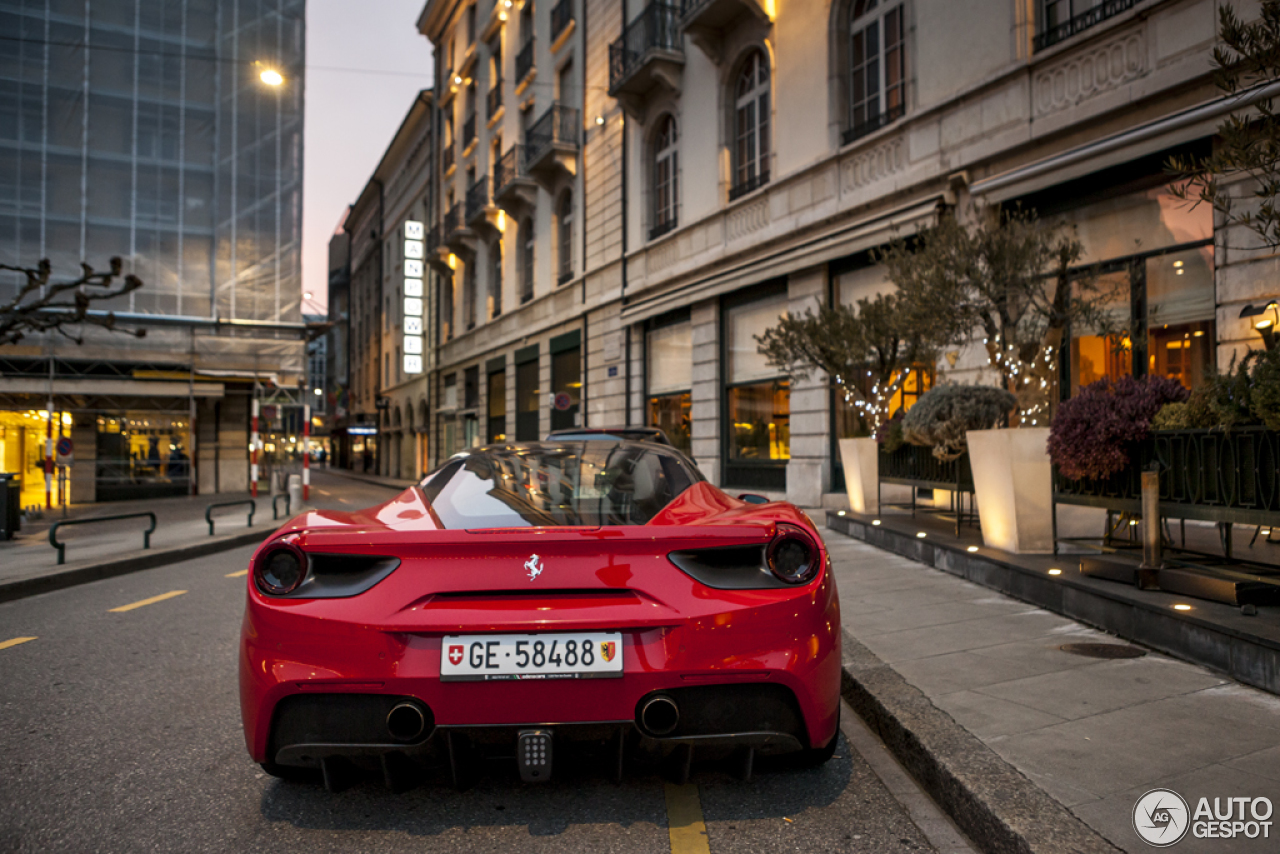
[[208, 511], [62, 547]]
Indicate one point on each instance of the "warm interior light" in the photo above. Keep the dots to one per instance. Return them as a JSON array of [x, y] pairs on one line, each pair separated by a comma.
[[457, 80], [1177, 263], [599, 120], [453, 261], [1055, 572], [271, 77], [502, 220], [972, 548], [502, 16], [1181, 607]]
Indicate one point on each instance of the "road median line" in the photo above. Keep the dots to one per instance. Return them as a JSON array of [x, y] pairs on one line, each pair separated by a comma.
[[143, 602], [14, 642], [685, 825]]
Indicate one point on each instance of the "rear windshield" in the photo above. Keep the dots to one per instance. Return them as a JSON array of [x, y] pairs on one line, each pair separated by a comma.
[[569, 483]]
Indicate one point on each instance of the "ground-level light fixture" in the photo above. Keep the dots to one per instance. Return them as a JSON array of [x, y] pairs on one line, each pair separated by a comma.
[[839, 512], [1055, 571], [1266, 326], [921, 534], [972, 549], [271, 77], [1181, 607], [875, 522]]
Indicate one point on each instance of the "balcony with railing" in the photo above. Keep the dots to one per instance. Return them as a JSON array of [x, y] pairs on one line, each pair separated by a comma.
[[749, 184], [469, 131], [664, 226], [706, 21], [477, 203], [1053, 32], [524, 62], [453, 225], [494, 100], [561, 18], [649, 56], [551, 143], [513, 190], [872, 124]]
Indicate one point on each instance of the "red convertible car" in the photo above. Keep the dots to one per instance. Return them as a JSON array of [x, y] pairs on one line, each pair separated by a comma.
[[523, 597]]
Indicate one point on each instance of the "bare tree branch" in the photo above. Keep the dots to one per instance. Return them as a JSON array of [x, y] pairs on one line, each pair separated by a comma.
[[36, 308]]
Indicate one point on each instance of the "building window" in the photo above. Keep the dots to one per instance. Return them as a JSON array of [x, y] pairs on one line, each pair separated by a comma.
[[1061, 19], [666, 180], [469, 293], [471, 23], [751, 126], [526, 260], [446, 308], [495, 279], [877, 68], [497, 422], [527, 399], [566, 384], [757, 400], [669, 377], [564, 227]]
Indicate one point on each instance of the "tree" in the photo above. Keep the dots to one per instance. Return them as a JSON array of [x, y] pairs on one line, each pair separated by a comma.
[[867, 354], [1249, 140], [1007, 275], [43, 307]]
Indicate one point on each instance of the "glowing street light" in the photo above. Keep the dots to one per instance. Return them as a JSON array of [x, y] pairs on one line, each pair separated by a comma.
[[271, 77]]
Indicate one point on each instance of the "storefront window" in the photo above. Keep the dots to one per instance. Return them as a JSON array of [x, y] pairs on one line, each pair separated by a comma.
[[566, 383], [527, 401], [669, 373], [22, 436], [758, 401], [498, 406], [141, 455]]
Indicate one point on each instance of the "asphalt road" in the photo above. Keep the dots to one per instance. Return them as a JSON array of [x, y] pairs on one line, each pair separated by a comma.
[[120, 731]]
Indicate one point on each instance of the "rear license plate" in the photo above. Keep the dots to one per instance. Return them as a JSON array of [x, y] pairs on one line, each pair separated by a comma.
[[566, 655]]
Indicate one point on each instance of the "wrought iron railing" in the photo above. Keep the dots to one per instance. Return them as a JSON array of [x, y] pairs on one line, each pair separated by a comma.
[[446, 157], [524, 61], [689, 7], [657, 28], [561, 17], [477, 198], [861, 129], [755, 182], [469, 130], [558, 125], [1209, 475], [494, 99], [508, 168], [453, 219], [433, 239], [915, 465], [1090, 17]]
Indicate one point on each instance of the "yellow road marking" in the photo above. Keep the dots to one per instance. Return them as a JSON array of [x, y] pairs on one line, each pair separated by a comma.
[[151, 601], [241, 574], [684, 820], [14, 642]]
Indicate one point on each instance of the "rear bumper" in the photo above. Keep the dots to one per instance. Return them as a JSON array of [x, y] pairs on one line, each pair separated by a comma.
[[792, 644]]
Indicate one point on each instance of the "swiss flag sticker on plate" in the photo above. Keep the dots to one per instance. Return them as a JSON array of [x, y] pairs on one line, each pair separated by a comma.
[[455, 654]]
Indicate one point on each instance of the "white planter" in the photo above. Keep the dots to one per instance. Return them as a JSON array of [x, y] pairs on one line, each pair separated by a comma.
[[861, 459], [1014, 485]]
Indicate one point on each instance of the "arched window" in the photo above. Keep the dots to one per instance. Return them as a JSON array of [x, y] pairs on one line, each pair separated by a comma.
[[877, 67], [751, 126], [564, 242], [495, 278], [666, 179], [526, 260]]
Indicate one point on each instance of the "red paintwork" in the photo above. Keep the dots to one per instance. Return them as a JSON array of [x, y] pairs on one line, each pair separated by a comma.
[[675, 630]]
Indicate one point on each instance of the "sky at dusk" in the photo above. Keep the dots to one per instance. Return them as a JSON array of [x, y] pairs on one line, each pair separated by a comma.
[[365, 64]]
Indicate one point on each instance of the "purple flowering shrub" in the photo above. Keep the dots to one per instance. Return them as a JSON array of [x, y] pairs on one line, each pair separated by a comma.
[[1092, 432]]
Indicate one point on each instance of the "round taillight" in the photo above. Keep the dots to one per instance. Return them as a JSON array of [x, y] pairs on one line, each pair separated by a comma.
[[793, 555], [280, 570]]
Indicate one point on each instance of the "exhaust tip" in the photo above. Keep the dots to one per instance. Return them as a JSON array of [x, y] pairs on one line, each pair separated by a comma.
[[406, 722], [660, 715]]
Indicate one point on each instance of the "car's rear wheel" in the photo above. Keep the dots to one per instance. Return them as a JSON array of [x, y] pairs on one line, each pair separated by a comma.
[[290, 773]]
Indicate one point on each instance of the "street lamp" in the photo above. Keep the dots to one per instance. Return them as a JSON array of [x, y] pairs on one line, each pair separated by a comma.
[[1266, 326], [271, 77]]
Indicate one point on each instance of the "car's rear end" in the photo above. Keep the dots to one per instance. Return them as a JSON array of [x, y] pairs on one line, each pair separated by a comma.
[[420, 635]]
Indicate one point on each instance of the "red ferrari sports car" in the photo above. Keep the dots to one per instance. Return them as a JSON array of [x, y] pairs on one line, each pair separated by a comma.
[[527, 596]]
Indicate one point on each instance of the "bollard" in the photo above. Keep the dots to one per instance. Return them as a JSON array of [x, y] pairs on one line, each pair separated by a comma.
[[1152, 544]]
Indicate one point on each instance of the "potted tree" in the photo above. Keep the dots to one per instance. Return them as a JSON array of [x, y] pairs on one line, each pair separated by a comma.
[[867, 352]]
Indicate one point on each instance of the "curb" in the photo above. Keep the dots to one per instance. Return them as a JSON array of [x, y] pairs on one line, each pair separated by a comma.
[[998, 808], [21, 588], [372, 481]]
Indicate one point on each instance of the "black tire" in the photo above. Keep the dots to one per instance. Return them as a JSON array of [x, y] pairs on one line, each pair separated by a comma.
[[291, 773]]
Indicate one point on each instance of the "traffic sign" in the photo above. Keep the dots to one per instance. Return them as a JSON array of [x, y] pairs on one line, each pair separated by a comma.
[[65, 455], [563, 401]]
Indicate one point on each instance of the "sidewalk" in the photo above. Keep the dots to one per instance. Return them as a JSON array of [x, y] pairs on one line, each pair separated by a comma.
[[29, 564], [1031, 747], [375, 479]]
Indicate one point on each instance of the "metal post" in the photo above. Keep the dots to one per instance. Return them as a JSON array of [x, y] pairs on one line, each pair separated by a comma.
[[306, 452], [253, 450], [1152, 544], [48, 458]]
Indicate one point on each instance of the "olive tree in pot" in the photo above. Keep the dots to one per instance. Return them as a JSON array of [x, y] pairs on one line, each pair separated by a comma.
[[866, 352]]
